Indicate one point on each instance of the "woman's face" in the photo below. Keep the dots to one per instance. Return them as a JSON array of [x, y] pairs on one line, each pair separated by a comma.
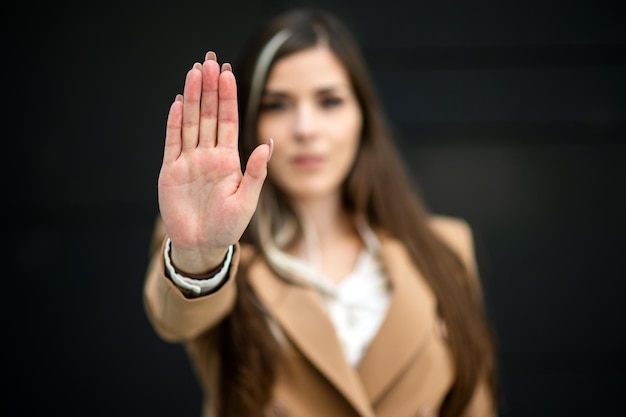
[[310, 111]]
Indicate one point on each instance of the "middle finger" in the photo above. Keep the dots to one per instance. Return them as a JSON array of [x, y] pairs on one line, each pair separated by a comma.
[[209, 101]]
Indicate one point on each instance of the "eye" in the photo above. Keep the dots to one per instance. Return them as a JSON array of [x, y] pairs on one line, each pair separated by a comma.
[[331, 102], [273, 105]]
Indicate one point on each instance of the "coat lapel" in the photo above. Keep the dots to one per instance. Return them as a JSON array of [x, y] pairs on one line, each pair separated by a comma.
[[303, 320], [406, 326]]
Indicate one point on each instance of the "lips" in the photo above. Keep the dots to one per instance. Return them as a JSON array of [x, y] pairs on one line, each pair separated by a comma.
[[307, 161]]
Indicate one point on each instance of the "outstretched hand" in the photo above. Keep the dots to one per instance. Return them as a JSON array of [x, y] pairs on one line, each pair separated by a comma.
[[205, 200]]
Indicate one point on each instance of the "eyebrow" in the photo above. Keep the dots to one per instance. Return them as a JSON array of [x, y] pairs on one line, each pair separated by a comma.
[[322, 91]]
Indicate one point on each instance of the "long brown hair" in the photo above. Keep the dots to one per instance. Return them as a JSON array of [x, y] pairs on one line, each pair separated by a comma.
[[377, 188]]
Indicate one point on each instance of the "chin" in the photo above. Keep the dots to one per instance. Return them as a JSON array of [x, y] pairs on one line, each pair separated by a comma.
[[302, 192]]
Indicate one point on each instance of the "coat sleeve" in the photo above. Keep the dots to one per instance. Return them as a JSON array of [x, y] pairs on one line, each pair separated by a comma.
[[174, 316], [458, 235]]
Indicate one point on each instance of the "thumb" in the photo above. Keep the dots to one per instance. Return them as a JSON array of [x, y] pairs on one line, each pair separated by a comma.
[[255, 174]]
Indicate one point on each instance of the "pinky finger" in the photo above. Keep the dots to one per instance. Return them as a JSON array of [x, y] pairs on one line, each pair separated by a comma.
[[173, 136]]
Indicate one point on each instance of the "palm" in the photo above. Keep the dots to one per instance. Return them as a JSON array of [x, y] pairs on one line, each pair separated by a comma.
[[205, 200], [198, 190]]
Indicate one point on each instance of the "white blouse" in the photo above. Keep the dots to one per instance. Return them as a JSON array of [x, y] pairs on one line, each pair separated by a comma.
[[357, 305]]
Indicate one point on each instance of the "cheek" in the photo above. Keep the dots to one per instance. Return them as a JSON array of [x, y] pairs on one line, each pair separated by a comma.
[[352, 133], [262, 131], [279, 163], [271, 127], [349, 154]]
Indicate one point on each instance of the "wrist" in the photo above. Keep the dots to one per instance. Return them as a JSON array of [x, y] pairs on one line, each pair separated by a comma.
[[196, 266], [199, 284]]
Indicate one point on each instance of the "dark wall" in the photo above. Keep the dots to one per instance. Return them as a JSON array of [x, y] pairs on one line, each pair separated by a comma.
[[511, 115]]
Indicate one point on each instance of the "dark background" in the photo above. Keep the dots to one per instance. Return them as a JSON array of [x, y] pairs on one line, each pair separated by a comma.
[[511, 115]]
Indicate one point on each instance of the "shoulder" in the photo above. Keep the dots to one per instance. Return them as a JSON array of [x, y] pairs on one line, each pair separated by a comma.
[[457, 234], [454, 230]]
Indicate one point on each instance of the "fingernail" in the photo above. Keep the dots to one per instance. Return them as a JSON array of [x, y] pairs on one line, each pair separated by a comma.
[[197, 65], [210, 56], [179, 97], [226, 67], [270, 143]]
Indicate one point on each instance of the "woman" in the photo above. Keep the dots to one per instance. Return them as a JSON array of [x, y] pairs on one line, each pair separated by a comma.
[[314, 283]]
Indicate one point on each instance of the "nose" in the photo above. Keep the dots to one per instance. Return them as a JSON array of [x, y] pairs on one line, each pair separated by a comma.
[[305, 122]]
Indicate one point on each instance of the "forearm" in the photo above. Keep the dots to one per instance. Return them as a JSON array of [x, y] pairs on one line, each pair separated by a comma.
[[180, 315]]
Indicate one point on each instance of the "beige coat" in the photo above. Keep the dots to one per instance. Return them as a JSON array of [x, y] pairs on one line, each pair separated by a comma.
[[406, 371]]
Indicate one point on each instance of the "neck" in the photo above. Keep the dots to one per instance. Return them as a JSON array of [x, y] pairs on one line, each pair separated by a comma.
[[331, 242], [324, 218]]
